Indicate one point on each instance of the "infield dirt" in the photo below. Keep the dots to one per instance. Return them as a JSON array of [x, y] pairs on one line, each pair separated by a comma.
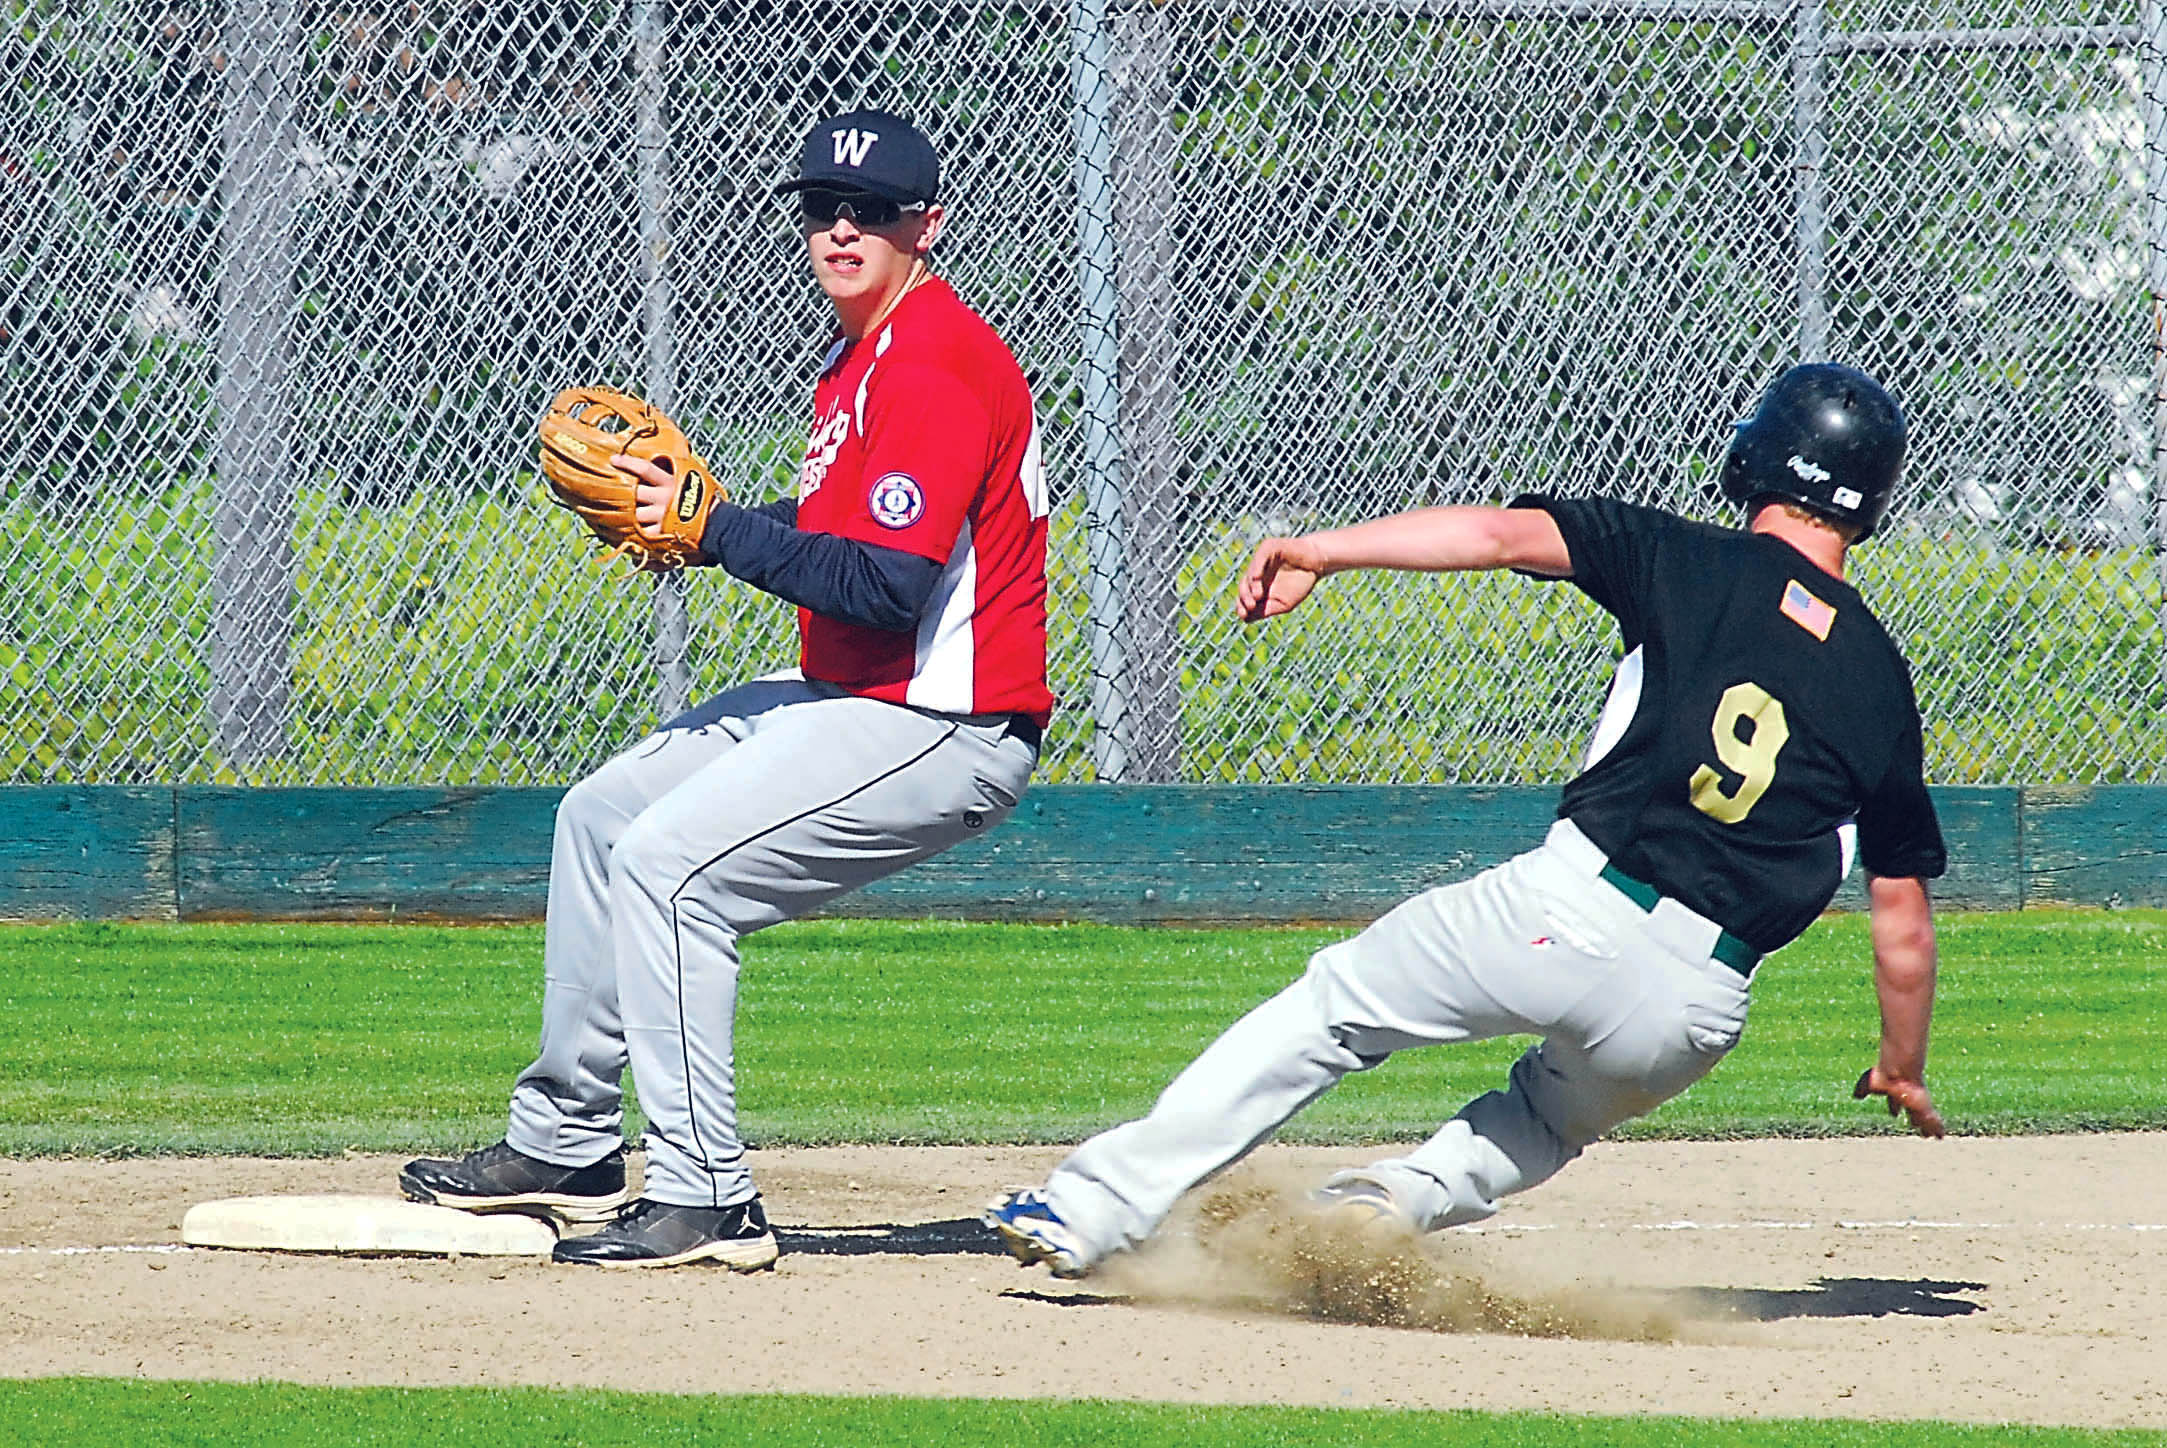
[[1981, 1280]]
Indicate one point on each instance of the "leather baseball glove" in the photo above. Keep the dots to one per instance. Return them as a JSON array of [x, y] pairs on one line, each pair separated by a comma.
[[583, 429]]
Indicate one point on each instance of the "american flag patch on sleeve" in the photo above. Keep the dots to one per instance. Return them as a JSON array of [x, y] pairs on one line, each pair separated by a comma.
[[1808, 612]]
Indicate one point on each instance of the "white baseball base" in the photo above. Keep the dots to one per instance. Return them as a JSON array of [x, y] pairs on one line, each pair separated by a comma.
[[362, 1225]]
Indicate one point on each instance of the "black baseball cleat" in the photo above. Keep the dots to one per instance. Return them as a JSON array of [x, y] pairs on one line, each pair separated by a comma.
[[660, 1234], [502, 1178]]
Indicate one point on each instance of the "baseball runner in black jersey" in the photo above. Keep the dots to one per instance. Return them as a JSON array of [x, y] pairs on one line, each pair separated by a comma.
[[1760, 733]]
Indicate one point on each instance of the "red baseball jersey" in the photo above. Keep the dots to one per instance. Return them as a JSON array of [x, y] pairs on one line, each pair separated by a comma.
[[924, 439]]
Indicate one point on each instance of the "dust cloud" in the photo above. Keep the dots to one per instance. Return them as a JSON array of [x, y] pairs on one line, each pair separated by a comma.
[[1253, 1243]]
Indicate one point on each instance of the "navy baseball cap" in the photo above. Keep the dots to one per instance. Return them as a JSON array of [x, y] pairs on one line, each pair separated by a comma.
[[870, 151]]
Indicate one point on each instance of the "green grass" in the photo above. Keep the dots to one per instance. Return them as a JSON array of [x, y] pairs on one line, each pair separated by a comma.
[[301, 1039], [230, 1415]]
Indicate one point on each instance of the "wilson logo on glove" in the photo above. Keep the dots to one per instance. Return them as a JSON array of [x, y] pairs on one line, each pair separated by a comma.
[[690, 498]]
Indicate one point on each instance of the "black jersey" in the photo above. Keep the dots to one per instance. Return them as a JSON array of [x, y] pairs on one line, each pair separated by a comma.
[[1759, 715]]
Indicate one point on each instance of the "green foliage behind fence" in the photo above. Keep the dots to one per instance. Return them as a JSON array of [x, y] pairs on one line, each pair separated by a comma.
[[408, 669]]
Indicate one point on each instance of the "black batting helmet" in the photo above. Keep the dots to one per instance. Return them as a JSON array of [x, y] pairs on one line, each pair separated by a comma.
[[1825, 436]]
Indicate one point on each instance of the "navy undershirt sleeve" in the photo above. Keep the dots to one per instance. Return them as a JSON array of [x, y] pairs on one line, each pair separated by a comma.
[[840, 578]]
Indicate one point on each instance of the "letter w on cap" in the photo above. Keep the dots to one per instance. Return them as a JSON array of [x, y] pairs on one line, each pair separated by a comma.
[[852, 144]]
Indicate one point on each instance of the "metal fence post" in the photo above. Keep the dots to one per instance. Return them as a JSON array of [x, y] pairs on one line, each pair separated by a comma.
[[671, 625], [252, 559], [1144, 153], [1809, 130], [1100, 374], [2152, 47]]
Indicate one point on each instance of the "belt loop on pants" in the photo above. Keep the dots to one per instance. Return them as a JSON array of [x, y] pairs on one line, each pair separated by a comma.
[[1728, 948]]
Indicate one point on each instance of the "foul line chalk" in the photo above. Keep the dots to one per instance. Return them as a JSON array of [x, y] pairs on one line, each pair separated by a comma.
[[1896, 1225], [161, 1248]]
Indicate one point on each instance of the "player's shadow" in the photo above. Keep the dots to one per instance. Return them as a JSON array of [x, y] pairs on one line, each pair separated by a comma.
[[1830, 1297], [1067, 1299], [961, 1237]]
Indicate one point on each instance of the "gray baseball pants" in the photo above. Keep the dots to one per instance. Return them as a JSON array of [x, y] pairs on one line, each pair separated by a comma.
[[751, 808], [1631, 1008]]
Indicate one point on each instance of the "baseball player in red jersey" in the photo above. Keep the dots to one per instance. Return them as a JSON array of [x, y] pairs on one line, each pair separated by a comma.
[[915, 551]]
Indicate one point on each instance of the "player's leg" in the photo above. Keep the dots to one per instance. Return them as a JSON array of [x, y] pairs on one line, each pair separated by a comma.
[[821, 798], [562, 1147], [1649, 1023], [1560, 1097], [1447, 965], [567, 1106]]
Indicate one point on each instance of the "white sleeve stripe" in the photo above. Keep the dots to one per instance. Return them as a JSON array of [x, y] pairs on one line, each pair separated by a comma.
[[944, 674], [857, 404], [1618, 710], [1033, 475]]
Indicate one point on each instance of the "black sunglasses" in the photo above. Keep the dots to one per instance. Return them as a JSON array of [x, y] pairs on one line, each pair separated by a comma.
[[819, 207]]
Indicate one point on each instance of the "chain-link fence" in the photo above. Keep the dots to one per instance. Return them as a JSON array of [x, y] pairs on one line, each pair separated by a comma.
[[287, 284]]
